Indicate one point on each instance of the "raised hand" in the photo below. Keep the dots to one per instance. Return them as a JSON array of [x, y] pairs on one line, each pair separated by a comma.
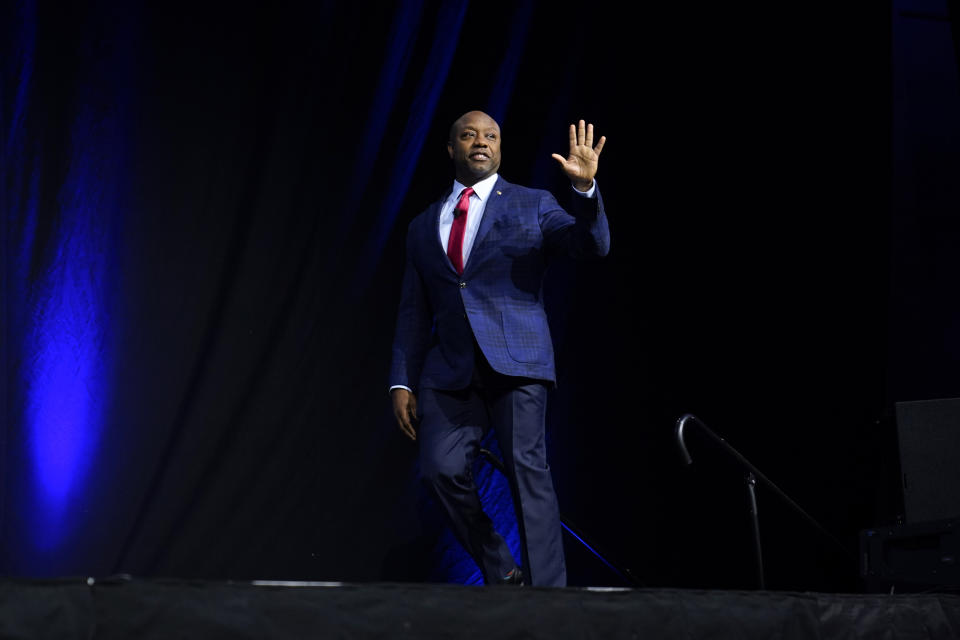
[[581, 163]]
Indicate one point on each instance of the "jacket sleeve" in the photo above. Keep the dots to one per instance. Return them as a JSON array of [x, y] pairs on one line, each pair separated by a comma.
[[414, 326], [584, 234]]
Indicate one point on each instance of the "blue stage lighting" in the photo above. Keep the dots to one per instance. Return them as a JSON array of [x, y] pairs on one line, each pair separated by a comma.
[[65, 354]]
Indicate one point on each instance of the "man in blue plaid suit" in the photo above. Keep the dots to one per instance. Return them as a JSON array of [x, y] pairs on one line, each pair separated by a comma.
[[472, 348]]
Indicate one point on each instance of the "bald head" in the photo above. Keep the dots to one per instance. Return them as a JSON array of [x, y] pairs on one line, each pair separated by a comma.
[[474, 147], [471, 116]]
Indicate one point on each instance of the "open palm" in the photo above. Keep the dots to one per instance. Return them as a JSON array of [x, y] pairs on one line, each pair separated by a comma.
[[580, 165]]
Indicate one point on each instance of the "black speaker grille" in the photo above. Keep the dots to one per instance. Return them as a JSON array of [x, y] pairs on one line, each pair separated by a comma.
[[929, 435]]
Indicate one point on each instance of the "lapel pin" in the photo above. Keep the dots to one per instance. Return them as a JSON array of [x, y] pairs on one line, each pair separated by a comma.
[[499, 193]]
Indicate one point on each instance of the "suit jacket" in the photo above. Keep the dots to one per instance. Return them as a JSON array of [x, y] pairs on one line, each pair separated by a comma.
[[498, 301]]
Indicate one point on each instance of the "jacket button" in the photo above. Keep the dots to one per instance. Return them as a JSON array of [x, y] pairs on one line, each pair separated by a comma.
[[463, 285]]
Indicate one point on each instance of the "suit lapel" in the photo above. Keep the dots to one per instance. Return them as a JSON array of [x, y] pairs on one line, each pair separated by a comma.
[[496, 206], [435, 229]]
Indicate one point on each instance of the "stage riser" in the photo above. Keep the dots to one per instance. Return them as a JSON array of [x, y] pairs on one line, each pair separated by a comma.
[[173, 609]]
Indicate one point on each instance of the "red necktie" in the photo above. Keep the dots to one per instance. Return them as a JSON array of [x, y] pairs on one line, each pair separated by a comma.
[[455, 242]]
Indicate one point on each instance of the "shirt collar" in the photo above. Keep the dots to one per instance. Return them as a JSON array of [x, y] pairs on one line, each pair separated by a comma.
[[482, 188]]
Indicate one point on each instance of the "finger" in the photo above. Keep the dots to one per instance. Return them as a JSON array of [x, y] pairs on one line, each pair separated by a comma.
[[597, 149], [573, 137], [580, 133], [559, 158], [402, 423], [405, 426], [589, 140]]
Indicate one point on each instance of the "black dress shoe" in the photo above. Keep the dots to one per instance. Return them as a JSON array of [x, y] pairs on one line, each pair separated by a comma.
[[514, 577]]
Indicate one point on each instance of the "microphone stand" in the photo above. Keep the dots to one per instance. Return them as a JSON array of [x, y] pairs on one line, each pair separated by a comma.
[[752, 475]]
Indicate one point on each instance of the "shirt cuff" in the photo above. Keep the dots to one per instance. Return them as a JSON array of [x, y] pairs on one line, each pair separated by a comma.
[[586, 194], [400, 386]]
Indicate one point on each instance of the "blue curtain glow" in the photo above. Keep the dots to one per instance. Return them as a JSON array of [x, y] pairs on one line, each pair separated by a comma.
[[66, 354], [403, 37], [64, 275], [507, 71], [445, 39]]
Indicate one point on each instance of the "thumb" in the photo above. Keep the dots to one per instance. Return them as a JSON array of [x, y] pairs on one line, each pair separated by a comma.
[[559, 158]]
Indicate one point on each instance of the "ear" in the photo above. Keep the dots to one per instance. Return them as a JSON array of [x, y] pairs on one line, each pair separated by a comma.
[[450, 150]]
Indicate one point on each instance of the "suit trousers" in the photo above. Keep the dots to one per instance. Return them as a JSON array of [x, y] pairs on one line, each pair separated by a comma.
[[451, 428]]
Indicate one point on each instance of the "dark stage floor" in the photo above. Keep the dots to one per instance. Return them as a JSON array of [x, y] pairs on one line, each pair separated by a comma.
[[148, 609]]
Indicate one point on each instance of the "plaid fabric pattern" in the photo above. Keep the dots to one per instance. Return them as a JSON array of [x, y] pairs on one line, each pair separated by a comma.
[[498, 301]]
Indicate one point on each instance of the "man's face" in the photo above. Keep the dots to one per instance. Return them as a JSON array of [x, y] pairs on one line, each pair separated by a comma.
[[474, 147]]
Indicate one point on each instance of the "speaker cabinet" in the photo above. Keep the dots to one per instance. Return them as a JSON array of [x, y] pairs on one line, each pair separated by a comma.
[[910, 557], [929, 437]]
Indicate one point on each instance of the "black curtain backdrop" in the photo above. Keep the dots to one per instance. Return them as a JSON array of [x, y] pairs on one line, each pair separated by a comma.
[[248, 174]]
